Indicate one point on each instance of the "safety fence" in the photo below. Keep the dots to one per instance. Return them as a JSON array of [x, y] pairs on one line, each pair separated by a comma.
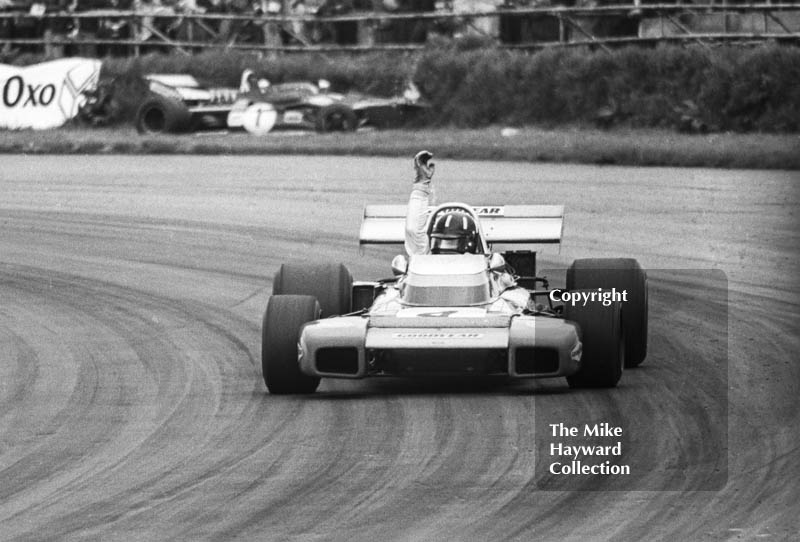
[[132, 33]]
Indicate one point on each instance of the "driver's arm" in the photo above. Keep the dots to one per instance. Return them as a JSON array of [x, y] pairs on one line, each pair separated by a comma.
[[421, 198]]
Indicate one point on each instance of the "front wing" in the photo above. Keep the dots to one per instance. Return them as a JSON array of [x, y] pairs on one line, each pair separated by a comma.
[[358, 347]]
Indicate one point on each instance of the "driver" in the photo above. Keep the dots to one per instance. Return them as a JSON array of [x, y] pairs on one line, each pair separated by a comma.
[[453, 232]]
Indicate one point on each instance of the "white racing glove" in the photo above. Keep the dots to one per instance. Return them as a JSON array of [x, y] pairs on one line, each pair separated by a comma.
[[424, 169]]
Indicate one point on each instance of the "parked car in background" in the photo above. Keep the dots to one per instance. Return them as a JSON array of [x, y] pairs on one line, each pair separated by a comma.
[[178, 103]]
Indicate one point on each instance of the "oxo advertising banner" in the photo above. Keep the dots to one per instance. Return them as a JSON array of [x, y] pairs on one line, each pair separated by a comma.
[[45, 95]]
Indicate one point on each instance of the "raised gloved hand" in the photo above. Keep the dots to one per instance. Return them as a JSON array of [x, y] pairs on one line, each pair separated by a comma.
[[423, 167]]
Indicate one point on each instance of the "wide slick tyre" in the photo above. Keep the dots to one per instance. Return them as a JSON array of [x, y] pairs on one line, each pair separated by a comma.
[[330, 284], [283, 319], [623, 274], [160, 115], [602, 338], [336, 118]]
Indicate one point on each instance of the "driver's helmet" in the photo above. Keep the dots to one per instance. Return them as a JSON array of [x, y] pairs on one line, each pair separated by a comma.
[[454, 232]]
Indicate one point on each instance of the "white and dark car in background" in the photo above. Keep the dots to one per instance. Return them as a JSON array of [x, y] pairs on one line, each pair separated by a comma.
[[178, 103]]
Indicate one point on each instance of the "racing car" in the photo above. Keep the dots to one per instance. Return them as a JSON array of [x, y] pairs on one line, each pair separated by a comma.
[[309, 106], [440, 315], [178, 103]]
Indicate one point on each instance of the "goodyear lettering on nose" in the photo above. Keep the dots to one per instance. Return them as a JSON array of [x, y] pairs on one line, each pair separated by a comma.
[[435, 335]]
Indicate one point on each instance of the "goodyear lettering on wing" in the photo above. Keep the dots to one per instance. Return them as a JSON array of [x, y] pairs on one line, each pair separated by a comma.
[[494, 210], [482, 210]]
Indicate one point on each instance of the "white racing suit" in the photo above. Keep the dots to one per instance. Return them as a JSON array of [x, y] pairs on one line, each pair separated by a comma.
[[503, 284], [422, 197]]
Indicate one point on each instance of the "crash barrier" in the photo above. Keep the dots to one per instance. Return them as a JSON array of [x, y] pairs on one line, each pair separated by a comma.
[[132, 33], [45, 95]]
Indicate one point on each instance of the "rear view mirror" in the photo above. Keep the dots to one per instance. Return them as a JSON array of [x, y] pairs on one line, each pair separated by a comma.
[[399, 265], [497, 262]]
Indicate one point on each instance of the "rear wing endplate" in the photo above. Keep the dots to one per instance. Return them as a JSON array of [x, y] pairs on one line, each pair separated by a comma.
[[505, 227]]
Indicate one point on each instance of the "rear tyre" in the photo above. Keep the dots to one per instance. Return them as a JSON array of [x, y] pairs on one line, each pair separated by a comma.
[[336, 118], [330, 284], [622, 274], [603, 345], [159, 115], [283, 320]]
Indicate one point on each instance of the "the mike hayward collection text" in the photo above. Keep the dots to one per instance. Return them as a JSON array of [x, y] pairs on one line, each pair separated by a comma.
[[582, 459]]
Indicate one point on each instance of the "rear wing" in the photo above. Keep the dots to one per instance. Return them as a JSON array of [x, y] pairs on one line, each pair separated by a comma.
[[505, 227]]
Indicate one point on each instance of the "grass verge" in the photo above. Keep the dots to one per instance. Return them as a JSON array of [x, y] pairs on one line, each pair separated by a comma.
[[633, 147]]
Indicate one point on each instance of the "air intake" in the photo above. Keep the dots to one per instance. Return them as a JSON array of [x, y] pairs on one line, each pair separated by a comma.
[[536, 360], [337, 360]]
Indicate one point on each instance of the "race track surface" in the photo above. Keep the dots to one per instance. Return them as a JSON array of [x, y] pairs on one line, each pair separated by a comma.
[[132, 405]]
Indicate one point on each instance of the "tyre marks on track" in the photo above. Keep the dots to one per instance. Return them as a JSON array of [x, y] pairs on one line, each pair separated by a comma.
[[133, 406], [147, 372]]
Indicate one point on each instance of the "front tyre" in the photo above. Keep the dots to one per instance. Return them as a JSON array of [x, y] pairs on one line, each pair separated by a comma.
[[603, 344], [622, 274], [283, 320], [330, 284]]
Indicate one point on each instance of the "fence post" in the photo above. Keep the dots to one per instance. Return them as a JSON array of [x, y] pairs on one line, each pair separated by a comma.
[[725, 16], [366, 32], [48, 43], [136, 33], [189, 22]]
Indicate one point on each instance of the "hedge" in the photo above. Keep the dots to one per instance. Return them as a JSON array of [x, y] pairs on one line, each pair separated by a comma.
[[475, 84], [726, 88]]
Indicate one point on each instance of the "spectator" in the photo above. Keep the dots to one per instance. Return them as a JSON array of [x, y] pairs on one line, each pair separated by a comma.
[[407, 30], [419, 27], [114, 29], [6, 27], [26, 25], [151, 26], [182, 28], [56, 29], [270, 30], [211, 7], [298, 28], [340, 32]]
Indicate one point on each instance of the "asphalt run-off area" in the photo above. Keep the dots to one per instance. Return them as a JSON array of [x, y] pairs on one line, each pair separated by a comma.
[[132, 404]]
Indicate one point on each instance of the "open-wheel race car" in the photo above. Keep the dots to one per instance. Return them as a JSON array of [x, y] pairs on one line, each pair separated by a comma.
[[179, 103], [444, 314], [312, 106]]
